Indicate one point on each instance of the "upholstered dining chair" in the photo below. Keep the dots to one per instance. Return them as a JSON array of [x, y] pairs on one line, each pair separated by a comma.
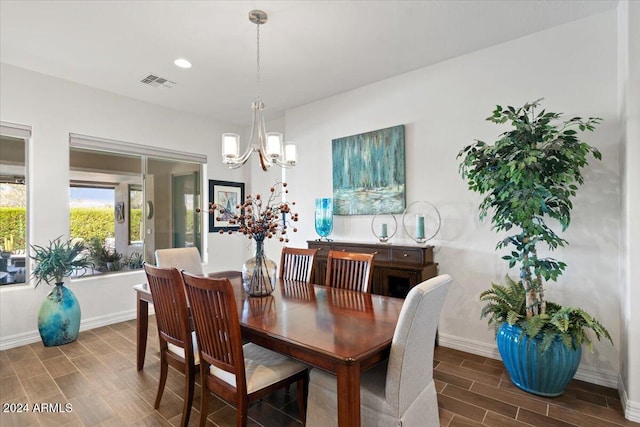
[[349, 270], [187, 259], [238, 374], [177, 343], [401, 390], [297, 264]]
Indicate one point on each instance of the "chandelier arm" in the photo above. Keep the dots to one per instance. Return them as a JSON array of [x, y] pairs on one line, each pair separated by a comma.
[[245, 156], [265, 160], [282, 164]]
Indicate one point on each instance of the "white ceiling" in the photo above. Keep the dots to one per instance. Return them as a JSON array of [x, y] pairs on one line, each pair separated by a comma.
[[309, 49]]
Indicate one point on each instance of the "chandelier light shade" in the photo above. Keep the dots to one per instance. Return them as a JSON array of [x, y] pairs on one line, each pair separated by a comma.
[[270, 146]]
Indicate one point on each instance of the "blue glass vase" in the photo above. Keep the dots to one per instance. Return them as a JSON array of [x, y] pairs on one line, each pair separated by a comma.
[[545, 374], [324, 217], [59, 317]]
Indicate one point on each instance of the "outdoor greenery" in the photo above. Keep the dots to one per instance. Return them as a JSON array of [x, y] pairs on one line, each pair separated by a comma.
[[102, 258], [527, 177], [134, 224], [86, 223], [12, 223], [58, 260]]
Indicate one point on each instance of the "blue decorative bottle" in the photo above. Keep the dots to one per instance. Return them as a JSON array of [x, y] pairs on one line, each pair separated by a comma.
[[324, 217]]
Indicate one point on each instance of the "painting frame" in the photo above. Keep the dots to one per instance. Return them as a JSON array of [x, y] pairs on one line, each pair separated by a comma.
[[369, 172], [227, 193]]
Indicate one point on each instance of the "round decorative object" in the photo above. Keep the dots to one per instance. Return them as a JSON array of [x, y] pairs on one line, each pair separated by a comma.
[[545, 374], [324, 218], [384, 226], [59, 317], [259, 273], [421, 221]]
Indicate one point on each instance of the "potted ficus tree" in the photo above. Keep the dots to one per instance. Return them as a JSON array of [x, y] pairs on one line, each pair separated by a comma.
[[527, 178], [59, 314]]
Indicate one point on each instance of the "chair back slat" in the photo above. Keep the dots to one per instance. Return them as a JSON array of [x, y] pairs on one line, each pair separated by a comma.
[[215, 317], [348, 270], [170, 305], [297, 264]]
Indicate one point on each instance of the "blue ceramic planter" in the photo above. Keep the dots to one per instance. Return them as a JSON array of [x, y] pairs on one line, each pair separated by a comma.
[[59, 317], [545, 374]]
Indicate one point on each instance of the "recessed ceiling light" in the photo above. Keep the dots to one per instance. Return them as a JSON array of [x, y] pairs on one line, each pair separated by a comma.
[[182, 63]]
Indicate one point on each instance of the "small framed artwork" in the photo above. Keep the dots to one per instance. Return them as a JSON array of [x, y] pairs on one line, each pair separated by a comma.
[[227, 195], [119, 212]]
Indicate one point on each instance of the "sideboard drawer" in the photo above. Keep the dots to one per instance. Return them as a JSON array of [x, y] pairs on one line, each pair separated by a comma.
[[381, 254], [409, 256]]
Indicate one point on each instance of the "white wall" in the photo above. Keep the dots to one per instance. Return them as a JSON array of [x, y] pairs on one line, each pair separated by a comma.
[[443, 108], [629, 90], [54, 108]]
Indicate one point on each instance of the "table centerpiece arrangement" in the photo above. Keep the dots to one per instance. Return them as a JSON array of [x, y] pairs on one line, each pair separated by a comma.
[[261, 218]]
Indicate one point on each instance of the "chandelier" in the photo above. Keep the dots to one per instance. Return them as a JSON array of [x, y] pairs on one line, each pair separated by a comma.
[[269, 145]]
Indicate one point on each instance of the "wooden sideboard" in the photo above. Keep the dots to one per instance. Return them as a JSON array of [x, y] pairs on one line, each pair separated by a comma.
[[396, 268]]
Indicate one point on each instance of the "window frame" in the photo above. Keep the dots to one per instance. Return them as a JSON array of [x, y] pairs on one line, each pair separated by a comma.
[[24, 132], [145, 152]]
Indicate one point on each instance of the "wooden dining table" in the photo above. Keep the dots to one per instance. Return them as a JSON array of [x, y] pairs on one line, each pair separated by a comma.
[[343, 332]]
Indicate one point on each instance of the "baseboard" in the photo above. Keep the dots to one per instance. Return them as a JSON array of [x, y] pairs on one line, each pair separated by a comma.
[[607, 379], [30, 337], [469, 346], [631, 409]]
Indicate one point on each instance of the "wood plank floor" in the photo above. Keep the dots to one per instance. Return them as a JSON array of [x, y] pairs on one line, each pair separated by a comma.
[[95, 383]]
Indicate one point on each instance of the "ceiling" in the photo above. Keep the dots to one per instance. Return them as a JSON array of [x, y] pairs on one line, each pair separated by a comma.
[[309, 49]]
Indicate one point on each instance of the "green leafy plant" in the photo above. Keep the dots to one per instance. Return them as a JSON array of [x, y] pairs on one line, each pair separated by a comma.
[[528, 176], [101, 256], [506, 303], [136, 261], [58, 260]]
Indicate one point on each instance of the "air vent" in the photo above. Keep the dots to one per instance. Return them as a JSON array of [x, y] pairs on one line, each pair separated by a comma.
[[155, 81]]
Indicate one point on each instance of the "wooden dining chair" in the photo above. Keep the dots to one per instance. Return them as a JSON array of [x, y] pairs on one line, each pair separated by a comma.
[[399, 391], [297, 264], [238, 374], [349, 270], [177, 342]]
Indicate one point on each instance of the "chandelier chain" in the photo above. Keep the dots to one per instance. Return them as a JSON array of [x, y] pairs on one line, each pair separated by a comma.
[[259, 96]]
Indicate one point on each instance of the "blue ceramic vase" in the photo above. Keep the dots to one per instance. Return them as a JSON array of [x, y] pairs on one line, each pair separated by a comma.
[[59, 317], [545, 374]]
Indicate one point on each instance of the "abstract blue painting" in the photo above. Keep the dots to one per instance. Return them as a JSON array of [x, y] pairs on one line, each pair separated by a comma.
[[369, 173]]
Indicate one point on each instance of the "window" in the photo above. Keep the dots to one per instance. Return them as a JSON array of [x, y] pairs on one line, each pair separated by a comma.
[[135, 200], [13, 203], [136, 224]]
